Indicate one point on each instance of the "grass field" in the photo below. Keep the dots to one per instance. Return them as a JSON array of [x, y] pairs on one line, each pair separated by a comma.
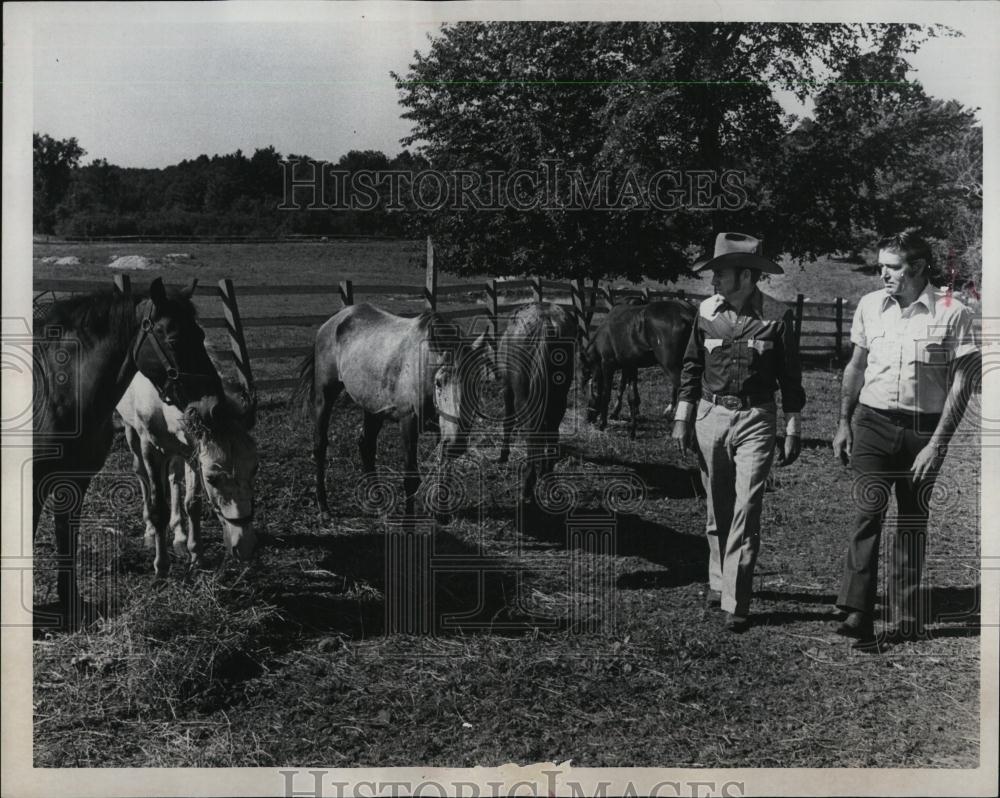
[[544, 646]]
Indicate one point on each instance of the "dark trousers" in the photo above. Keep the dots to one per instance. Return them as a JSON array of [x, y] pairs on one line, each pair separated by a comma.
[[885, 446]]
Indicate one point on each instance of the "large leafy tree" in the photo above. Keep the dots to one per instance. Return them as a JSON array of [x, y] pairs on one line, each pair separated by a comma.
[[880, 156], [632, 99]]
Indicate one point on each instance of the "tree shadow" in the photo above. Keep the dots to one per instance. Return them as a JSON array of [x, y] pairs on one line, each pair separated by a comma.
[[409, 578], [684, 557], [662, 480]]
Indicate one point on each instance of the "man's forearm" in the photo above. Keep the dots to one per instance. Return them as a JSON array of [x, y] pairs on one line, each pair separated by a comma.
[[956, 400], [854, 379]]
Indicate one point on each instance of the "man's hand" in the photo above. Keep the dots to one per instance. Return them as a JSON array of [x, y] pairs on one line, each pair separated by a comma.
[[928, 462], [790, 453], [682, 436], [843, 442]]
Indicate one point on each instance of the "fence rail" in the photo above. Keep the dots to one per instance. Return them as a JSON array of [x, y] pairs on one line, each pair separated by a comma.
[[493, 301]]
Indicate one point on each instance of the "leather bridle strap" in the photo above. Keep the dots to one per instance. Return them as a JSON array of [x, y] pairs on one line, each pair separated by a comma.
[[147, 328]]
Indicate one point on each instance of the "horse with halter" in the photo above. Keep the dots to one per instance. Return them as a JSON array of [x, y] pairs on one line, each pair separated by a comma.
[[86, 350], [632, 337], [175, 455], [535, 362], [418, 372]]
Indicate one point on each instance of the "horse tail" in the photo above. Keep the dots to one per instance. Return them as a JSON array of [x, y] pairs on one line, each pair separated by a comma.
[[304, 395]]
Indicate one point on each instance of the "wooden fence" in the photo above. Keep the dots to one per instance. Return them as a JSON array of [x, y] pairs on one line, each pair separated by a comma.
[[488, 303]]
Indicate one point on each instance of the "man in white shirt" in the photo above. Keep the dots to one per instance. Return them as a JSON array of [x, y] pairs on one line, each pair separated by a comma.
[[915, 355]]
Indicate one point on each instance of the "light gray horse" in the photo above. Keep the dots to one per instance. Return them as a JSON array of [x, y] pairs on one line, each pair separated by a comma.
[[174, 455], [535, 361], [418, 372]]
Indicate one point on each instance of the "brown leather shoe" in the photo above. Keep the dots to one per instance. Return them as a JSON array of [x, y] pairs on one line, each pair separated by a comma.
[[736, 623], [858, 625]]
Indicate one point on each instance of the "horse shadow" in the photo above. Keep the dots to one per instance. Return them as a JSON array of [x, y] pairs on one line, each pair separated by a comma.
[[662, 480], [411, 577]]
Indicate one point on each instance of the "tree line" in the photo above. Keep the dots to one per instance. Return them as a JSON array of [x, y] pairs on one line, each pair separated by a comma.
[[636, 99]]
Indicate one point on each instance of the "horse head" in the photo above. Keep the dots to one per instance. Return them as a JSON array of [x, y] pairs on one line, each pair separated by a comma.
[[227, 455], [169, 349], [458, 390]]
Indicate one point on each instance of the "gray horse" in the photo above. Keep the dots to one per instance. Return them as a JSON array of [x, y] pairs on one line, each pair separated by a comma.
[[535, 362], [416, 371]]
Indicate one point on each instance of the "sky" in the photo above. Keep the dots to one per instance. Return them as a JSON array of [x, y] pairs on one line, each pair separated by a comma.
[[151, 94]]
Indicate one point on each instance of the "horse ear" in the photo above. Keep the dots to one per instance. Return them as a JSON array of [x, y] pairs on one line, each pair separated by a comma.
[[188, 291], [157, 292]]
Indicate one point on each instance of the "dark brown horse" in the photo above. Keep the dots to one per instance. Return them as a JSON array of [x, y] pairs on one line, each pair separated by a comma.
[[86, 351], [416, 371], [535, 361], [632, 337]]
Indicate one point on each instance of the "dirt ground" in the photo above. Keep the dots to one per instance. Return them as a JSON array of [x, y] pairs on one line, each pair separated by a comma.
[[579, 634]]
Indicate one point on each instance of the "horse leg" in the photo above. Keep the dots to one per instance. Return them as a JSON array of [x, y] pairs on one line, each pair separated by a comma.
[[192, 508], [178, 520], [633, 401], [159, 496], [321, 414], [134, 441], [409, 432], [508, 423], [370, 427], [607, 379], [66, 523], [617, 411]]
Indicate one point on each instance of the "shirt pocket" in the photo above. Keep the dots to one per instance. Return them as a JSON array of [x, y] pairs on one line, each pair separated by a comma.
[[760, 352], [711, 344]]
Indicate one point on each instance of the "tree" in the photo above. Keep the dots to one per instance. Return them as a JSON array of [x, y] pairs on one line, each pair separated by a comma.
[[53, 163], [879, 157], [625, 99]]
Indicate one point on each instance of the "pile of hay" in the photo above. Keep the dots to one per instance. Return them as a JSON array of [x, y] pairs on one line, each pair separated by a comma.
[[134, 262]]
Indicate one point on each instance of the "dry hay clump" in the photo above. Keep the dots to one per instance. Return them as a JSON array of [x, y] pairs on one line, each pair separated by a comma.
[[187, 646], [134, 262]]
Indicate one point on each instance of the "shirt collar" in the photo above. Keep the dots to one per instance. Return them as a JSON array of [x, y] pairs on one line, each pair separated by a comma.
[[925, 298], [754, 303]]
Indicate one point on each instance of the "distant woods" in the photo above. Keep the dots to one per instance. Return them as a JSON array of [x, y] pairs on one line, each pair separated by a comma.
[[221, 195]]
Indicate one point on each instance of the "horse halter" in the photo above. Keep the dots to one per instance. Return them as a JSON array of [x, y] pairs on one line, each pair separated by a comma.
[[170, 391]]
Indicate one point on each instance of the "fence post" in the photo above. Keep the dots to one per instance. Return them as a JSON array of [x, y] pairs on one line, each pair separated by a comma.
[[493, 309], [124, 284], [681, 295], [580, 310], [609, 295], [799, 301], [234, 327], [645, 294], [839, 349], [430, 290], [347, 292], [536, 287]]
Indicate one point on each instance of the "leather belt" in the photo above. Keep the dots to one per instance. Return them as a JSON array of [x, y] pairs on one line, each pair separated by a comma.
[[903, 418], [731, 402]]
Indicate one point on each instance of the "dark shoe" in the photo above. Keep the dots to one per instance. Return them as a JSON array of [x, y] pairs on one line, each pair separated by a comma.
[[858, 625], [736, 623], [713, 599]]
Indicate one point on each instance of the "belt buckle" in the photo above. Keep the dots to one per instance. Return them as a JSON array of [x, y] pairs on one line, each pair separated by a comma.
[[732, 402]]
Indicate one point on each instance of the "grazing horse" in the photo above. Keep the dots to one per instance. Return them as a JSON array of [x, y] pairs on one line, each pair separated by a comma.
[[535, 362], [174, 456], [416, 371], [632, 337], [86, 351]]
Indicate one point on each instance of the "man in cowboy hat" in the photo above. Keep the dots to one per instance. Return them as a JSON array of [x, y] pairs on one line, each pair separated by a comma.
[[742, 348]]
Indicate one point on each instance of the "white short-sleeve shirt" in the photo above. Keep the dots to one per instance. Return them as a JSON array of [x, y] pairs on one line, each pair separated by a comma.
[[910, 350]]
